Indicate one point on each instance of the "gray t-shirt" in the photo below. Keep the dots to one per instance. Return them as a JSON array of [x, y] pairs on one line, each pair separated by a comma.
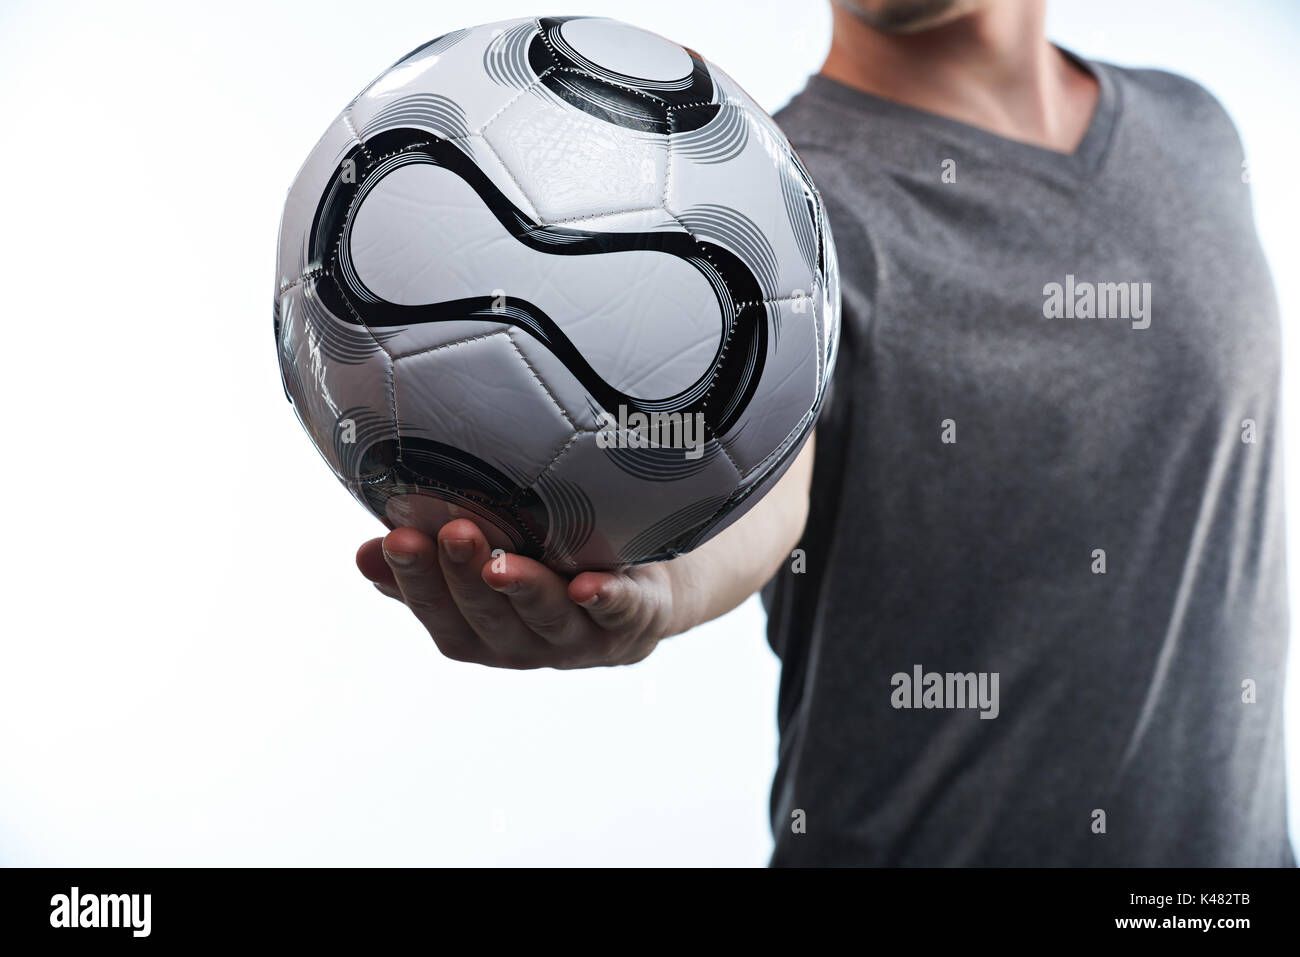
[[1040, 617]]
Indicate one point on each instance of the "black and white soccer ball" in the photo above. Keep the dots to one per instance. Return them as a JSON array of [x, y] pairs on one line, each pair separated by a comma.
[[565, 278]]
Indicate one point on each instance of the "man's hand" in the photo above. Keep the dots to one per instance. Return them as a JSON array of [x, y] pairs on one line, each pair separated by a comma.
[[513, 612]]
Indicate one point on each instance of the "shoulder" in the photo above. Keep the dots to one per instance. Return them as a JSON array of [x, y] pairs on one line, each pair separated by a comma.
[[812, 123], [1181, 107], [848, 182], [800, 114], [816, 127], [1170, 88]]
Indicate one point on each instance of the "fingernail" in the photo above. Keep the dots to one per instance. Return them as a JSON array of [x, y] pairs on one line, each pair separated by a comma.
[[591, 602], [458, 550], [508, 588], [405, 559]]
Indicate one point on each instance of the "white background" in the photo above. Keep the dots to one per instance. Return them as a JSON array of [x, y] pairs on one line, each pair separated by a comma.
[[191, 669]]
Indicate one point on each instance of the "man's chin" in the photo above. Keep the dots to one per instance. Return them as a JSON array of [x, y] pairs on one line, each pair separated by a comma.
[[906, 16]]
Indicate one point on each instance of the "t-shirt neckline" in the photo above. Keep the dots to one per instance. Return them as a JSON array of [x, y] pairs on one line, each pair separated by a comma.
[[1086, 159]]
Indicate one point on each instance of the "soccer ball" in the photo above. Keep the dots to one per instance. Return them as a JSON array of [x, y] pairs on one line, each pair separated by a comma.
[[563, 277]]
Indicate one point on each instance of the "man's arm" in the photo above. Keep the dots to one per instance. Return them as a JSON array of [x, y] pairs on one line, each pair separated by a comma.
[[517, 613]]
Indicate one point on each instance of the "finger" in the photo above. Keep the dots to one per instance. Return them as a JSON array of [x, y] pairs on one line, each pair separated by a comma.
[[613, 602], [372, 564], [541, 599], [462, 553], [392, 591], [412, 557]]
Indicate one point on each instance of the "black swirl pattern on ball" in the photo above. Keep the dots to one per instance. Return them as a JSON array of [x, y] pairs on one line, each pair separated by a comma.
[[720, 395], [412, 465]]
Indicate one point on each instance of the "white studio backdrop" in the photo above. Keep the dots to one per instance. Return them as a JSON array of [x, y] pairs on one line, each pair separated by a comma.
[[191, 669]]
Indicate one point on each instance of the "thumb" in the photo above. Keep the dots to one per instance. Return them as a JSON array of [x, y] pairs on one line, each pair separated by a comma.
[[614, 602]]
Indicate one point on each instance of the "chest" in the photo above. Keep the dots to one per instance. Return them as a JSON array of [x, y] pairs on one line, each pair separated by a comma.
[[1058, 312]]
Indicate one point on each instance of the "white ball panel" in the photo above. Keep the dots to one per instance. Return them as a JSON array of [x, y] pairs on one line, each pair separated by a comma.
[[456, 73], [571, 164], [479, 396], [633, 515], [752, 184], [489, 163]]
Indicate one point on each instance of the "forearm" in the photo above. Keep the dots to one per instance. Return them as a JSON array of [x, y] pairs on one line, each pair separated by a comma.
[[727, 569]]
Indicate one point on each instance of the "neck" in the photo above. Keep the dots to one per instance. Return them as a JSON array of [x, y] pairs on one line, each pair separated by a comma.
[[992, 68]]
